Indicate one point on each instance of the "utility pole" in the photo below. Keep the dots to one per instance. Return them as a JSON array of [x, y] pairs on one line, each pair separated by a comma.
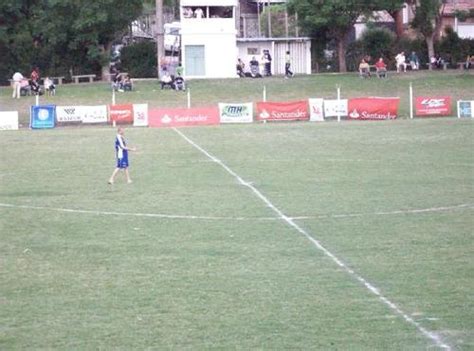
[[160, 39]]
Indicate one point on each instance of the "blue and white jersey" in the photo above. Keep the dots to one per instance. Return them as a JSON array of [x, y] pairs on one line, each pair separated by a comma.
[[121, 152]]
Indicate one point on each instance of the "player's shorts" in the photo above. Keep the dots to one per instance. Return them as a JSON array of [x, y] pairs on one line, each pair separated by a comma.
[[122, 162]]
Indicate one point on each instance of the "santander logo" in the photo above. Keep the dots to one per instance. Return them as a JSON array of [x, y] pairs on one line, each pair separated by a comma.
[[433, 103]]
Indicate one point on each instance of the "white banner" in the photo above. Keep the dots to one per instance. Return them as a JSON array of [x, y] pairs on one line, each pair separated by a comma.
[[465, 109], [9, 120], [334, 108], [316, 110], [236, 113], [69, 113], [140, 115], [95, 114]]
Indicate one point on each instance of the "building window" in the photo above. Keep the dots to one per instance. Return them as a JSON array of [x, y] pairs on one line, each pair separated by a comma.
[[252, 51]]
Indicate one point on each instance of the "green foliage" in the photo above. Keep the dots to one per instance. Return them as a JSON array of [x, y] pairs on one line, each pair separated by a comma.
[[425, 16], [139, 60], [278, 21], [61, 35], [454, 49], [378, 42]]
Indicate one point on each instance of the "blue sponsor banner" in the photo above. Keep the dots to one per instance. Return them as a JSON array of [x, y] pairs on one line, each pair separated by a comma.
[[42, 117]]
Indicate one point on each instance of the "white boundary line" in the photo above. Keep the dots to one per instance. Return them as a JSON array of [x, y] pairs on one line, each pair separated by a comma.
[[437, 339], [222, 218], [150, 215]]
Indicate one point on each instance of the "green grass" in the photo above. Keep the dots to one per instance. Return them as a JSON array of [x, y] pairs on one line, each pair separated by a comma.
[[82, 267], [454, 83]]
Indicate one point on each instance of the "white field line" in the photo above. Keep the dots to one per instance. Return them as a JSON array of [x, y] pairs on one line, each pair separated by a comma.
[[135, 214], [223, 218], [434, 337]]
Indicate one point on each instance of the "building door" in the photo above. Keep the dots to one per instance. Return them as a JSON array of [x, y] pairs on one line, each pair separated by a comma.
[[195, 60]]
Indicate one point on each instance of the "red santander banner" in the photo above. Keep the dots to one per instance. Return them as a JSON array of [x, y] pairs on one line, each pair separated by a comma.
[[121, 114], [180, 117], [283, 111], [373, 108], [433, 106]]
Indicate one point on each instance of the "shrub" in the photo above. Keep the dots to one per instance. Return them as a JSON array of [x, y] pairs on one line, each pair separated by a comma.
[[139, 60]]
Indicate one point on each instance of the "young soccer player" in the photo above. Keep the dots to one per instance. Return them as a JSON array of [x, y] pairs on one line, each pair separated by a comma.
[[121, 154]]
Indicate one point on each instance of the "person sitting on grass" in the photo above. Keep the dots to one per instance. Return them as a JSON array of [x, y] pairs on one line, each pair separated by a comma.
[[364, 69], [381, 68]]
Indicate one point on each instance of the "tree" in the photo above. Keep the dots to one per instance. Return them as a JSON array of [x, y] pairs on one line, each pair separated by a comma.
[[55, 34], [335, 19], [428, 16]]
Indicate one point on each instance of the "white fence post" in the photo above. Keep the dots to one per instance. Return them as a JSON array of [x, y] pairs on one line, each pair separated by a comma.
[[338, 102], [264, 93], [411, 100], [189, 98]]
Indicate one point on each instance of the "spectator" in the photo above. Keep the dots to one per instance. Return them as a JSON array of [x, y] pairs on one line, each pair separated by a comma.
[[49, 86], [267, 63], [16, 84], [126, 83], [255, 68], [364, 69], [381, 68], [433, 61], [401, 62], [288, 72], [34, 81], [188, 12], [469, 62], [179, 70], [240, 68], [439, 62], [414, 61], [198, 13], [166, 80]]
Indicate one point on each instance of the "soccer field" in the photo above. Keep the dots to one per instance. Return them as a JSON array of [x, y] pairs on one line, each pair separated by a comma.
[[330, 236]]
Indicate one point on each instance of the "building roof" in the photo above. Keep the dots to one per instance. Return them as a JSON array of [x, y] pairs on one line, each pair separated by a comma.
[[458, 5]]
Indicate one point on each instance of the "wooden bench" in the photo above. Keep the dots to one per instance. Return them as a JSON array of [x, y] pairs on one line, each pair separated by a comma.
[[58, 79], [445, 66], [83, 76], [110, 75]]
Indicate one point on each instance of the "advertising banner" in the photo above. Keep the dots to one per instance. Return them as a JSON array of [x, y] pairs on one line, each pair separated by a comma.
[[373, 108], [465, 109], [433, 106], [283, 111], [316, 110], [9, 120], [42, 117], [140, 115], [94, 114], [180, 117], [121, 114], [236, 113], [334, 108], [66, 114]]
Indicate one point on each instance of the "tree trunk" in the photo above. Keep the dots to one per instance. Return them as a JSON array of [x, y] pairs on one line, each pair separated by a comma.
[[430, 44], [105, 69], [160, 38], [398, 17], [341, 53]]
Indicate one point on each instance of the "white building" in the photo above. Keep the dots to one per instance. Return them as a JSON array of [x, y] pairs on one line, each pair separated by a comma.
[[208, 38]]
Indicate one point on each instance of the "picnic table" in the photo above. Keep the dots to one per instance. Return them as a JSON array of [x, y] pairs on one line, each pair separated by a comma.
[[83, 76]]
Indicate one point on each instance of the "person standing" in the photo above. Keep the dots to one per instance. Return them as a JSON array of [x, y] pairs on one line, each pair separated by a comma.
[[121, 154], [16, 84], [288, 72], [267, 62]]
